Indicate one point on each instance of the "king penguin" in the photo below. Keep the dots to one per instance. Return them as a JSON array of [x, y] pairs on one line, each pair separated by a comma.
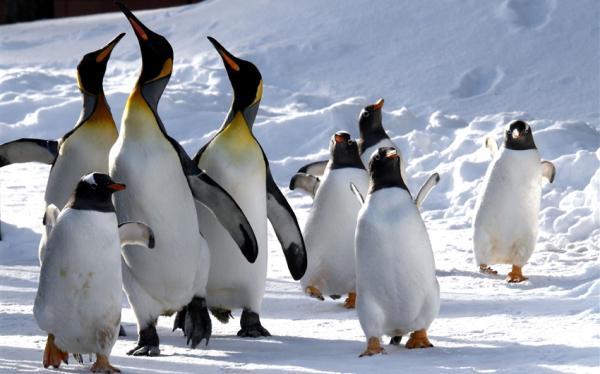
[[506, 221], [395, 271], [83, 149], [163, 184], [331, 224], [78, 301], [236, 160]]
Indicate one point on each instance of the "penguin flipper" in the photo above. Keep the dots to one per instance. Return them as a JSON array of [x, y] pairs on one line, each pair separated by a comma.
[[136, 233], [305, 182], [286, 228], [51, 215], [491, 145], [548, 171], [357, 193], [210, 194], [316, 168], [431, 182], [28, 150]]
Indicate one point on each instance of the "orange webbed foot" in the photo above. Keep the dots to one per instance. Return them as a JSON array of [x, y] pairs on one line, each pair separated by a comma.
[[314, 292], [516, 275], [483, 268], [373, 347], [53, 355], [350, 302], [103, 366], [418, 339]]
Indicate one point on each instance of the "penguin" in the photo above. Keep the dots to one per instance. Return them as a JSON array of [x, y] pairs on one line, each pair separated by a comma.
[[163, 185], [396, 284], [81, 150], [78, 301], [237, 161], [331, 224], [372, 137], [506, 220]]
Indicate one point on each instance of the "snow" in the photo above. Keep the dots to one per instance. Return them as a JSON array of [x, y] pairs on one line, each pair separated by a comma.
[[451, 73]]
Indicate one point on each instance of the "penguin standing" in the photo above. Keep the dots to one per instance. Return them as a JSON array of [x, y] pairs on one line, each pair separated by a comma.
[[163, 184], [506, 221], [236, 160], [78, 301], [331, 224], [83, 149], [395, 270]]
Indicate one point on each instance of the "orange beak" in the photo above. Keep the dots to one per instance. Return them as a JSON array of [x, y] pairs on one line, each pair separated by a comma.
[[392, 154], [117, 186], [378, 104]]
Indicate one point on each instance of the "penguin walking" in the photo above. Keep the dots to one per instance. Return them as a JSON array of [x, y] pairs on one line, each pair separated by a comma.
[[396, 285], [506, 221], [331, 224], [236, 160], [80, 151], [78, 302], [163, 185]]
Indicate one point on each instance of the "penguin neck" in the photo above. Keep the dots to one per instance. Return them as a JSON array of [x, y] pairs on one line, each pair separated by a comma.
[[381, 179], [141, 115], [249, 114], [89, 105], [345, 159], [103, 204], [524, 145], [371, 136]]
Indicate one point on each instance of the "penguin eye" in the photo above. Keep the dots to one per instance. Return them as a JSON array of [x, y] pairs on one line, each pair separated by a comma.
[[377, 157], [350, 142], [366, 113]]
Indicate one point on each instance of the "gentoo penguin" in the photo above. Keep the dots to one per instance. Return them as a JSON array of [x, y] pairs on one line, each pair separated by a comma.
[[78, 302], [331, 224], [163, 183], [83, 149], [506, 221], [395, 270], [236, 160], [372, 137]]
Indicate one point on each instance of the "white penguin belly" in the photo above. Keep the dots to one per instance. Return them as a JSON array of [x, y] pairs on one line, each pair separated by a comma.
[[238, 166], [397, 291], [329, 232], [158, 194], [506, 222], [79, 295]]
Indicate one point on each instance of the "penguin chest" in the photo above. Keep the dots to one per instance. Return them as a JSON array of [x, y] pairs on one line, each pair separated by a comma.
[[506, 222], [329, 232], [79, 295], [396, 280]]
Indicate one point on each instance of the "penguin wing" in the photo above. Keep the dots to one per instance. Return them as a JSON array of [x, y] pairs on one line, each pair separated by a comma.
[[51, 215], [357, 193], [316, 168], [28, 150], [491, 145], [286, 228], [210, 194], [548, 171], [136, 233], [431, 182], [305, 182]]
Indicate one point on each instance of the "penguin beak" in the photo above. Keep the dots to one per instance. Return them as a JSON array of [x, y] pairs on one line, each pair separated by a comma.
[[515, 134], [392, 153], [141, 31], [379, 104], [116, 186], [228, 58], [339, 138], [104, 53]]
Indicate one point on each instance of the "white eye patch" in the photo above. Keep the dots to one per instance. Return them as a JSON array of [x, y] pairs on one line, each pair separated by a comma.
[[91, 180]]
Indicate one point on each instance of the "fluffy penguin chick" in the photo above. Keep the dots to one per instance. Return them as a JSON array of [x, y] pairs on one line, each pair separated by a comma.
[[329, 231], [506, 223], [395, 271], [79, 296]]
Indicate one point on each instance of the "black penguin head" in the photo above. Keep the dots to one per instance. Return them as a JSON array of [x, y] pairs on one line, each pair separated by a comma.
[[519, 137], [94, 191], [384, 168], [244, 77], [91, 68], [157, 53], [369, 119], [344, 151]]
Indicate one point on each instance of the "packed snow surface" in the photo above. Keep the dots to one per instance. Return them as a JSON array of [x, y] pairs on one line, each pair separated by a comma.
[[451, 73]]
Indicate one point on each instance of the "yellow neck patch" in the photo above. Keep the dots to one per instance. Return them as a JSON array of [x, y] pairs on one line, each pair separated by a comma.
[[166, 70]]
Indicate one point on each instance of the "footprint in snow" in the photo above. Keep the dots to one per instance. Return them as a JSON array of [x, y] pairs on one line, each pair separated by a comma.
[[477, 81], [530, 14]]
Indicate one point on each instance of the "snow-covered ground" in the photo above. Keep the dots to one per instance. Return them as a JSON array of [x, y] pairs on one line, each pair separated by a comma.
[[451, 73]]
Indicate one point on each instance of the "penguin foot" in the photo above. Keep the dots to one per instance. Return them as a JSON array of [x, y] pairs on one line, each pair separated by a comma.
[[418, 339], [122, 331], [314, 292], [103, 366], [335, 297], [197, 325], [179, 322], [395, 340], [373, 347], [251, 327], [483, 268], [53, 355], [147, 343], [516, 275], [350, 302], [223, 315]]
